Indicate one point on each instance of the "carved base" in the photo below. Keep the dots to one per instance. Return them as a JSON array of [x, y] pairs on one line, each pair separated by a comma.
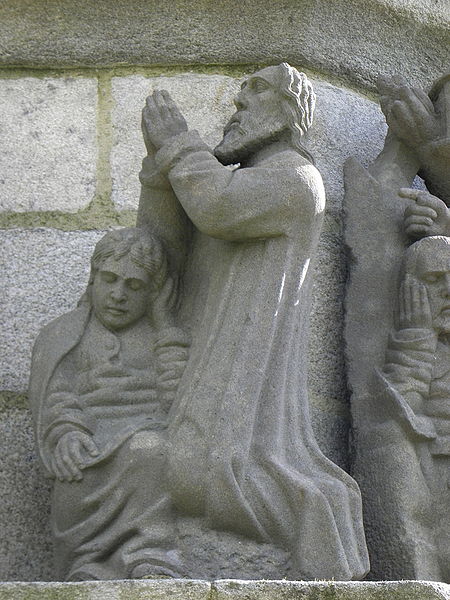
[[226, 589]]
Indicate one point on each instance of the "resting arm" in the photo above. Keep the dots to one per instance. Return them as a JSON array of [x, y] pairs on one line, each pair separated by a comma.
[[254, 202]]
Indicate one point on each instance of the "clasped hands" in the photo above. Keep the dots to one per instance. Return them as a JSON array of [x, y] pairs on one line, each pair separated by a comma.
[[409, 112], [161, 120]]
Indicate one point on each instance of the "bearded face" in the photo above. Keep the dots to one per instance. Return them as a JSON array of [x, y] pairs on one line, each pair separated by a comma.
[[259, 119]]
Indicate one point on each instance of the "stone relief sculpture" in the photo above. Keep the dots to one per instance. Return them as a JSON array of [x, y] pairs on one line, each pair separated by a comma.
[[398, 364], [242, 454], [180, 473], [102, 382], [416, 385]]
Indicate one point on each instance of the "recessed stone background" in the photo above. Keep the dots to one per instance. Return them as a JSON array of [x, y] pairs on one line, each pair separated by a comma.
[[45, 272]]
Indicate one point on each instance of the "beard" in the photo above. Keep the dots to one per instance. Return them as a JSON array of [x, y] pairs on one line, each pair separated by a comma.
[[246, 133]]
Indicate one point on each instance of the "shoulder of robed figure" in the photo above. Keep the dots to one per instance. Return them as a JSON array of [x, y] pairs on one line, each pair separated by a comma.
[[62, 332], [303, 175]]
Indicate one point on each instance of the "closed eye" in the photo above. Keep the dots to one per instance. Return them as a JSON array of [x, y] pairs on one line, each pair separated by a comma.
[[135, 284], [108, 276], [432, 277], [260, 86]]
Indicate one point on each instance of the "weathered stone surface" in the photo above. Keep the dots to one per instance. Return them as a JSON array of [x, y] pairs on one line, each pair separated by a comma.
[[298, 590], [353, 39], [246, 396], [206, 102], [326, 380], [25, 545], [345, 124], [45, 273], [225, 590], [396, 335], [108, 590], [48, 150]]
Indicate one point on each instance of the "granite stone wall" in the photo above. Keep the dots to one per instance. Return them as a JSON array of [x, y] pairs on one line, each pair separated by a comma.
[[73, 79]]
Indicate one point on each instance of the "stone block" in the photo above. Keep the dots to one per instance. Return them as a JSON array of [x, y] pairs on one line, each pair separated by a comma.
[[346, 124], [48, 152], [45, 273], [108, 590], [25, 542], [205, 100], [354, 39], [327, 590]]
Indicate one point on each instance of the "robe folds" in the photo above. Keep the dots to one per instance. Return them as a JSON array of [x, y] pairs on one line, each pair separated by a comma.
[[119, 516], [414, 387], [241, 452]]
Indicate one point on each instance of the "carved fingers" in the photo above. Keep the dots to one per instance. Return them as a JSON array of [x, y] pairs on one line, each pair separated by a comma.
[[409, 112], [72, 454], [414, 307], [164, 304], [161, 120], [426, 215], [172, 362]]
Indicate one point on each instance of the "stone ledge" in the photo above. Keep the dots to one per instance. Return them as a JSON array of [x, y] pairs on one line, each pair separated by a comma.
[[226, 589], [326, 590], [354, 39]]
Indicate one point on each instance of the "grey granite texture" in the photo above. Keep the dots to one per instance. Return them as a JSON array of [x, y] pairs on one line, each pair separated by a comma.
[[243, 405], [107, 590], [356, 39], [45, 272], [225, 590], [206, 101], [48, 152], [25, 546], [396, 336], [324, 590], [345, 124], [326, 380]]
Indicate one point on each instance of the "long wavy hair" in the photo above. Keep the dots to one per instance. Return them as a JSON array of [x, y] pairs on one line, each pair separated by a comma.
[[298, 104]]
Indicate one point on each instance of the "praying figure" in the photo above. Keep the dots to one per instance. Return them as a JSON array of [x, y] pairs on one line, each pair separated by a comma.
[[242, 456]]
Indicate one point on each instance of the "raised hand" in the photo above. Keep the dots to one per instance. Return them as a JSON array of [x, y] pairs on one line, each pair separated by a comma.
[[414, 308], [161, 120], [164, 305], [426, 215], [73, 452], [409, 112]]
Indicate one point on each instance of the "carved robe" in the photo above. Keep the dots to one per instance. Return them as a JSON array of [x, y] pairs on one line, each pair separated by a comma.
[[416, 380], [242, 451], [87, 378]]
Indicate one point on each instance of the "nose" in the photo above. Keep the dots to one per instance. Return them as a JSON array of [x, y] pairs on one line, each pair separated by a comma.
[[118, 291], [239, 101]]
